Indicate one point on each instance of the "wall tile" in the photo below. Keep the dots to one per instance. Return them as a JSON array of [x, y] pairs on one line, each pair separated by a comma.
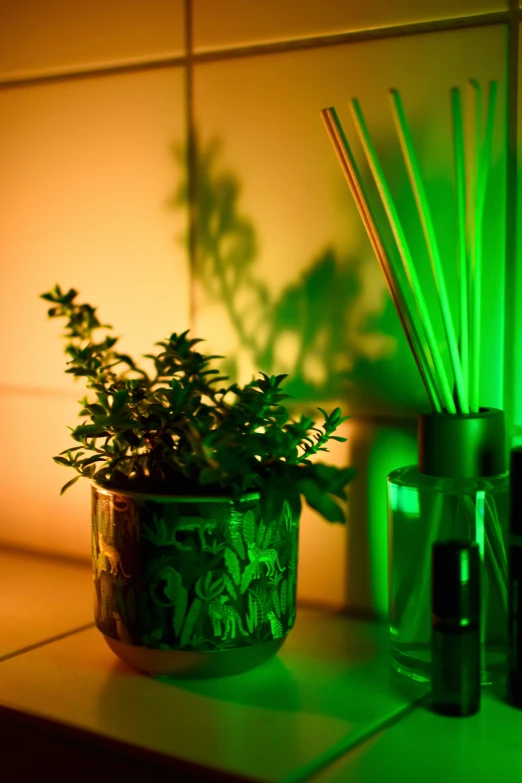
[[286, 278], [89, 169], [38, 38], [34, 516], [233, 23], [323, 546]]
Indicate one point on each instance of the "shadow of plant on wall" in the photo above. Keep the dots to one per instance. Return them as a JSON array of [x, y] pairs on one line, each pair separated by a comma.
[[318, 328]]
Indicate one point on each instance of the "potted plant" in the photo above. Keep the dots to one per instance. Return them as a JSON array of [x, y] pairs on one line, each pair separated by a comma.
[[196, 498]]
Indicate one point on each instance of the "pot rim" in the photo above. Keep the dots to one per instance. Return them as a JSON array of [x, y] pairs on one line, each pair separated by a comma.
[[174, 498]]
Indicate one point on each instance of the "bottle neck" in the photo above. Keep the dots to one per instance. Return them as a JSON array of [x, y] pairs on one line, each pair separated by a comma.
[[453, 446]]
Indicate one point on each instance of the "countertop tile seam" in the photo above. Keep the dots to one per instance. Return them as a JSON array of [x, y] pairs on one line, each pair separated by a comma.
[[346, 747], [46, 557], [44, 642]]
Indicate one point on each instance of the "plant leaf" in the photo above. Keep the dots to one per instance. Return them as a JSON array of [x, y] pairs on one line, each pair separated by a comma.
[[321, 502], [69, 484]]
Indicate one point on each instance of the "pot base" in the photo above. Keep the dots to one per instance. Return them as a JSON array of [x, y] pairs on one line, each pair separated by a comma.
[[196, 665]]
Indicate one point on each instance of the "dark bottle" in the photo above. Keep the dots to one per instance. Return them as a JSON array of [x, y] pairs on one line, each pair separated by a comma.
[[455, 637], [514, 681]]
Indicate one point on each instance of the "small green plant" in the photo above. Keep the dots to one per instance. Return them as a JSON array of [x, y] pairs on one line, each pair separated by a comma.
[[181, 433]]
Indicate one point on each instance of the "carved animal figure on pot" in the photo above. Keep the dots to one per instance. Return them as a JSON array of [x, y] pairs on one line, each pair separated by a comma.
[[219, 612], [275, 625], [191, 525], [267, 556], [112, 555]]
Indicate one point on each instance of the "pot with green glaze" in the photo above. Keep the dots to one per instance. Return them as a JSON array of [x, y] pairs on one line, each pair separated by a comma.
[[192, 586]]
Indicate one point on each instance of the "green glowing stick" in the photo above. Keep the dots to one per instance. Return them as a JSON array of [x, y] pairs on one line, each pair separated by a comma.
[[482, 178], [406, 316], [426, 219], [460, 177], [404, 250], [474, 341]]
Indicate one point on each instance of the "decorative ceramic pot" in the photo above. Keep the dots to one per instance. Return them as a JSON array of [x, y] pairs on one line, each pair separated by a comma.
[[192, 586]]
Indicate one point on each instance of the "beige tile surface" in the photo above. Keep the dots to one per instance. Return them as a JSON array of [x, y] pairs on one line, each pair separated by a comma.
[[233, 23], [39, 38], [328, 686], [428, 747], [323, 546], [40, 598], [34, 516], [347, 565], [302, 292], [287, 281], [89, 169]]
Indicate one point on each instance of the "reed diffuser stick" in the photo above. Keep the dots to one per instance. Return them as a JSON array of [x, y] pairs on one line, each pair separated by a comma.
[[426, 219], [406, 317], [460, 179], [474, 141], [482, 177], [404, 250]]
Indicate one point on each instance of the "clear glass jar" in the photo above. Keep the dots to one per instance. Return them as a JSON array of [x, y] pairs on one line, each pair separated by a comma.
[[423, 509]]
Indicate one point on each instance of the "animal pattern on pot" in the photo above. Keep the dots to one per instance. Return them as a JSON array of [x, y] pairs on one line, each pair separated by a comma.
[[267, 556], [107, 596], [112, 555], [197, 578], [129, 516], [194, 524], [219, 611], [121, 629], [275, 625]]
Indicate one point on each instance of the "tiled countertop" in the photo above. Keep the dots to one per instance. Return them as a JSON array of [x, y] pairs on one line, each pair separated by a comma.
[[325, 710]]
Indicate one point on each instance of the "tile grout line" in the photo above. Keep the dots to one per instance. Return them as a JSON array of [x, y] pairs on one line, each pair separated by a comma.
[[274, 47], [345, 748], [91, 73], [191, 158], [357, 36], [45, 642]]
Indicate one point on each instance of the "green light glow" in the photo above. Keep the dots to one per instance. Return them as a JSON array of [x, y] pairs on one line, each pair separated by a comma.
[[392, 446], [464, 573], [405, 500], [471, 509], [177, 573]]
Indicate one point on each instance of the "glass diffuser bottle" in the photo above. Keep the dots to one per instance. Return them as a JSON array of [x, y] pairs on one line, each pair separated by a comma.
[[460, 489]]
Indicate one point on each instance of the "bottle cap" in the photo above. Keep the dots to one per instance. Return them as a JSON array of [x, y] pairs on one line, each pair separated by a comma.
[[515, 515], [455, 583], [472, 446]]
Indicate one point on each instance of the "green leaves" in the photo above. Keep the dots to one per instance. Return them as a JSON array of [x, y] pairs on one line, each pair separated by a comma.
[[119, 400], [69, 484], [321, 502], [178, 433]]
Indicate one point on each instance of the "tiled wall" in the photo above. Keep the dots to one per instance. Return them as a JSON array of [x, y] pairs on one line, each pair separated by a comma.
[[95, 103]]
